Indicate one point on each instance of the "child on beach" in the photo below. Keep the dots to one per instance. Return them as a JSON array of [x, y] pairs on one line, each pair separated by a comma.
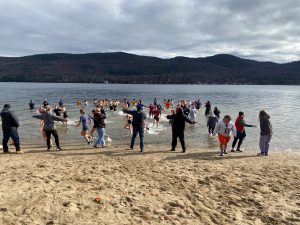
[[240, 125], [225, 128], [85, 120], [266, 132]]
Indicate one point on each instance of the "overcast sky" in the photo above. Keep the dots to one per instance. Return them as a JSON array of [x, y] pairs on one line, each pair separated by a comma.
[[266, 30]]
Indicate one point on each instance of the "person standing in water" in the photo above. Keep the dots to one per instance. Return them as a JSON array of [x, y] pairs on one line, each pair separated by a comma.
[[178, 125], [138, 124], [10, 125], [217, 112], [85, 121], [31, 104], [99, 123], [266, 132], [240, 125], [207, 108], [48, 119], [225, 128]]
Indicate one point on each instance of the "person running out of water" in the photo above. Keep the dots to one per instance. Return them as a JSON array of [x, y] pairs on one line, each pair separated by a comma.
[[138, 125], [99, 123], [78, 103], [193, 113], [211, 122], [186, 110], [85, 121], [225, 128], [48, 119], [134, 102], [85, 103], [178, 125], [156, 114], [266, 132], [128, 123], [217, 112], [10, 125], [151, 108], [198, 104], [207, 108], [31, 104], [168, 104], [240, 125]]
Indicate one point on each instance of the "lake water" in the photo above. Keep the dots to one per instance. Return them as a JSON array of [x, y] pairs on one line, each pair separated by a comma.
[[283, 103]]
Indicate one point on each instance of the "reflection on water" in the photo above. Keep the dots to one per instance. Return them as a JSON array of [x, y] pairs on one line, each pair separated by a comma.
[[281, 101]]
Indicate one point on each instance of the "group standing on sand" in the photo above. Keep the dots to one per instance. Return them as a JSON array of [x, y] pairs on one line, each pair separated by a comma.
[[184, 112]]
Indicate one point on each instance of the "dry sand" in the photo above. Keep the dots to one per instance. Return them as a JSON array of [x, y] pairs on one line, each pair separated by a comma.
[[157, 187]]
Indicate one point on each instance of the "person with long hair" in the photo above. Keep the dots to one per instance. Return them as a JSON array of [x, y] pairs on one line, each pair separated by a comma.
[[85, 121], [266, 132]]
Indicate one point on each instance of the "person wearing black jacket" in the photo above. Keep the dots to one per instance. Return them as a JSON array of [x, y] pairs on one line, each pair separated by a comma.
[[99, 124], [138, 125], [10, 124], [178, 125]]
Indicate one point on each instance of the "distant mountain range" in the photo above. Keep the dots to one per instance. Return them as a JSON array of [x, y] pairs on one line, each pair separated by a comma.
[[122, 67]]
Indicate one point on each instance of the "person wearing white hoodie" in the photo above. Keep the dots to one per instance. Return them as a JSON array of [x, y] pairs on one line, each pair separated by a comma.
[[225, 128]]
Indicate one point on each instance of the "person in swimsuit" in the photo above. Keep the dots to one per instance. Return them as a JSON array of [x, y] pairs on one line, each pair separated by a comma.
[[85, 121], [128, 123], [156, 114], [31, 104]]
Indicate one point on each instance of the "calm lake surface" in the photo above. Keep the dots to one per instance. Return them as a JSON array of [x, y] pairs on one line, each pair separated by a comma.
[[283, 103]]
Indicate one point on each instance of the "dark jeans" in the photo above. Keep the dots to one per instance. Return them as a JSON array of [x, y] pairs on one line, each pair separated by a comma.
[[211, 130], [179, 135], [13, 134], [55, 135], [239, 137], [139, 130]]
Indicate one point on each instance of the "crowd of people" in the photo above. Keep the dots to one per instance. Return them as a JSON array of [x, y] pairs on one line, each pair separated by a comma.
[[178, 114]]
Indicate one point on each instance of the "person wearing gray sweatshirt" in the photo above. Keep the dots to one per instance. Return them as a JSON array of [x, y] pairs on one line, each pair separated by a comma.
[[49, 126]]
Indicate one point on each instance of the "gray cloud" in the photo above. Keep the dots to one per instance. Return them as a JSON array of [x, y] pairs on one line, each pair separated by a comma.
[[265, 30]]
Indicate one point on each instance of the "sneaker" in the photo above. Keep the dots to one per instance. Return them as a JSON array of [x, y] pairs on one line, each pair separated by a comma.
[[183, 150], [173, 150], [238, 150], [7, 152], [20, 152], [221, 154], [142, 150], [95, 146], [232, 150], [58, 149]]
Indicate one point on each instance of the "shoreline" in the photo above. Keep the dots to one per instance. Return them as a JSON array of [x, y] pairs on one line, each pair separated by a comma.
[[154, 187]]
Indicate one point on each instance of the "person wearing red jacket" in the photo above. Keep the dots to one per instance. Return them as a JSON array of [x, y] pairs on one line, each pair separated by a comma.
[[240, 125]]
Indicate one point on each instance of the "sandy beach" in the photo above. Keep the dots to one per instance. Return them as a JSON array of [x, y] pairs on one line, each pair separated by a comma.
[[118, 186]]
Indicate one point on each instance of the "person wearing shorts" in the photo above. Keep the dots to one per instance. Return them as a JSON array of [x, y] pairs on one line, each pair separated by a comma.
[[85, 120], [225, 128]]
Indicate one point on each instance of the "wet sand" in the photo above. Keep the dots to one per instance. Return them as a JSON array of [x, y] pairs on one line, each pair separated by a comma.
[[118, 186]]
